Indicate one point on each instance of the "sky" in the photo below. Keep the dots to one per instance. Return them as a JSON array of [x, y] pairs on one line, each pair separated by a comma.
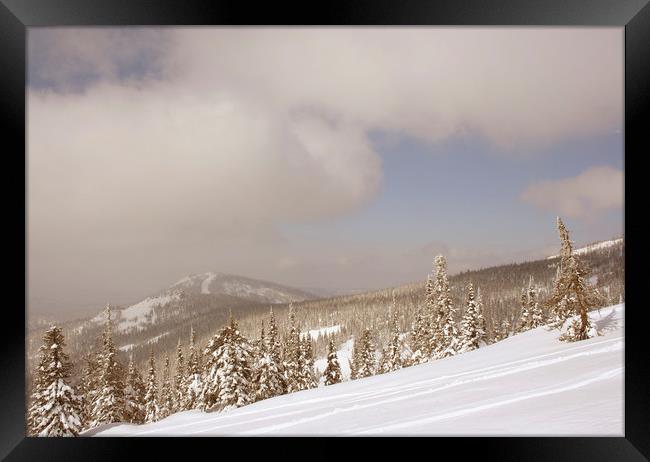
[[335, 158]]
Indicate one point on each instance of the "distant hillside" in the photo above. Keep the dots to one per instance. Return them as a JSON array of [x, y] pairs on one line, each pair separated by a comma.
[[203, 301]]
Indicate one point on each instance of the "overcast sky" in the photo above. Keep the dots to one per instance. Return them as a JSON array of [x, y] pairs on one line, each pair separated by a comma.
[[320, 157]]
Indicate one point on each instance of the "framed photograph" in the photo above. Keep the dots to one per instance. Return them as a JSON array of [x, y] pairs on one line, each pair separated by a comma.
[[355, 219]]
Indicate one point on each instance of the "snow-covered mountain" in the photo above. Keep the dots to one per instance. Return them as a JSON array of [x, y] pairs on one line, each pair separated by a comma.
[[528, 384], [595, 247], [170, 301], [239, 286]]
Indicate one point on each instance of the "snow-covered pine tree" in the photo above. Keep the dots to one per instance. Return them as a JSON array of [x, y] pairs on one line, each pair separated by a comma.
[[151, 397], [134, 393], [180, 380], [307, 377], [573, 286], [332, 372], [291, 356], [391, 359], [526, 317], [194, 384], [166, 391], [109, 403], [367, 362], [419, 338], [228, 370], [562, 310], [56, 407], [471, 334], [274, 349], [482, 325], [89, 385], [267, 379], [446, 336], [534, 309]]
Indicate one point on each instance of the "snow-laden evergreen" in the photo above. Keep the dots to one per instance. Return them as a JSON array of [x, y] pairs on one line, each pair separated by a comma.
[[109, 406], [292, 355], [194, 381], [166, 391], [307, 377], [152, 409], [391, 359], [267, 378], [180, 380], [446, 336], [472, 324], [332, 373], [56, 408], [367, 363], [134, 394], [572, 290], [89, 385], [228, 370]]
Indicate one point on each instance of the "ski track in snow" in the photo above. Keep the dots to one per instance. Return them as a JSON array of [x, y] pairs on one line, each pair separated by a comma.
[[527, 373]]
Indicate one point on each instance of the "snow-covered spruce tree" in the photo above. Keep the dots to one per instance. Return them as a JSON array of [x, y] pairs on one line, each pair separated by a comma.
[[354, 360], [419, 338], [228, 370], [267, 379], [482, 325], [194, 384], [56, 407], [472, 335], [134, 393], [274, 349], [391, 359], [151, 397], [180, 380], [525, 317], [332, 372], [446, 336], [534, 308], [291, 355], [367, 362], [573, 286], [109, 403], [89, 385], [307, 378], [166, 392]]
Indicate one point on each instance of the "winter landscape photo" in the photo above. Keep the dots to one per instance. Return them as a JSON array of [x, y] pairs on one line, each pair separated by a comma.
[[325, 231]]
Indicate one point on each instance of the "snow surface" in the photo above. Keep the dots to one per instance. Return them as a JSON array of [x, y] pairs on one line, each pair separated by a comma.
[[594, 247], [205, 284], [528, 384]]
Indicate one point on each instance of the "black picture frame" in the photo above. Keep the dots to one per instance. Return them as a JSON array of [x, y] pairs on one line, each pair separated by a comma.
[[17, 15]]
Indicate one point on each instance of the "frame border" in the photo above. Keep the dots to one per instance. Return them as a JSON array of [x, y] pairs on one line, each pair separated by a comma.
[[634, 15]]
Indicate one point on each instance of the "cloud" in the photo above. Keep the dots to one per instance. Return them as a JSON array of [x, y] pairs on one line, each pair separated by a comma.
[[593, 191], [161, 151]]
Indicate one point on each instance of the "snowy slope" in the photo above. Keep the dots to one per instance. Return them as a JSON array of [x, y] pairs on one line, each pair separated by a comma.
[[528, 384], [602, 245]]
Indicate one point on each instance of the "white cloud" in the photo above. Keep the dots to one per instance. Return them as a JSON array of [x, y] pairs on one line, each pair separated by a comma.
[[584, 196], [192, 163]]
